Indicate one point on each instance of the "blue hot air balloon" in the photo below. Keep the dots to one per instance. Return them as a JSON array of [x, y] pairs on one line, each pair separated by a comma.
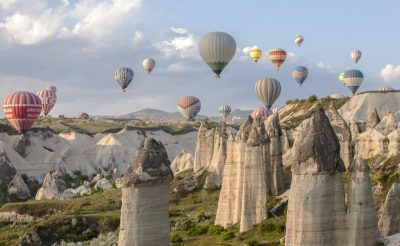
[[300, 74], [353, 79]]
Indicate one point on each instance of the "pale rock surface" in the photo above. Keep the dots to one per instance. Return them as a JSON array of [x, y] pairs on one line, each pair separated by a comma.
[[19, 187], [394, 142], [96, 178], [182, 162], [7, 171], [389, 223], [343, 134], [316, 209], [393, 240], [204, 148], [103, 184], [373, 120], [52, 188], [361, 217], [355, 132], [387, 124], [144, 212], [15, 217], [371, 143], [82, 190]]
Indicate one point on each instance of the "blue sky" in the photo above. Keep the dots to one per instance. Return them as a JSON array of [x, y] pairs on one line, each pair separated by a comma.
[[77, 45]]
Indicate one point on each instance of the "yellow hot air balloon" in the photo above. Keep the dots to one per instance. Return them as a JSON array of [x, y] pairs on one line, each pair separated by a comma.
[[341, 77], [255, 53]]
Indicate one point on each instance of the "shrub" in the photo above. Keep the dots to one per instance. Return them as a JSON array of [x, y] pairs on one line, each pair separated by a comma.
[[215, 230], [393, 177], [226, 235], [313, 98], [187, 225], [176, 238], [268, 227], [198, 230], [381, 177], [202, 217], [251, 242]]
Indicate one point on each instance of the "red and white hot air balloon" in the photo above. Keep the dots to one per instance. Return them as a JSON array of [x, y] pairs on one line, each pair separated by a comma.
[[21, 109], [48, 98], [264, 113], [52, 88]]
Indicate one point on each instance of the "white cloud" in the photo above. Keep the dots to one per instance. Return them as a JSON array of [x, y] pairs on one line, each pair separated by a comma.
[[291, 54], [246, 50], [390, 73], [183, 44], [137, 36], [325, 67]]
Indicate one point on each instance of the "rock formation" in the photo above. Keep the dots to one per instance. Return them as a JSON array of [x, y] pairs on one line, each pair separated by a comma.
[[387, 124], [316, 209], [182, 162], [204, 148], [371, 143], [19, 187], [52, 188], [343, 134], [373, 120], [7, 171], [82, 190], [144, 211], [103, 184], [361, 218], [21, 144], [355, 132], [389, 223], [394, 142]]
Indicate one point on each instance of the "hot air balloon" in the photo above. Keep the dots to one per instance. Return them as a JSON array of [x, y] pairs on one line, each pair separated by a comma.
[[52, 88], [300, 74], [277, 56], [255, 53], [355, 55], [341, 77], [268, 91], [189, 107], [353, 79], [224, 111], [298, 40], [82, 116], [261, 111], [149, 64], [217, 50], [123, 76], [48, 99], [22, 108]]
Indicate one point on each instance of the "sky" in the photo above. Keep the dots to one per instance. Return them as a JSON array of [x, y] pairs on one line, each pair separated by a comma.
[[77, 46]]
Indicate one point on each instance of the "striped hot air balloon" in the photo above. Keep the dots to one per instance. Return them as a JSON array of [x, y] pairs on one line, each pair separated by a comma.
[[124, 77], [224, 111], [341, 77], [82, 115], [298, 40], [300, 74], [22, 108], [264, 113], [149, 64], [48, 99], [353, 79], [189, 107], [277, 57], [52, 88], [217, 50], [355, 55], [268, 91], [255, 53]]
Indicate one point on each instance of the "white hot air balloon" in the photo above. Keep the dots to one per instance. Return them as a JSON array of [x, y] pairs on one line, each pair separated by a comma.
[[268, 91], [149, 64], [217, 50], [189, 106], [298, 40], [355, 55], [48, 99]]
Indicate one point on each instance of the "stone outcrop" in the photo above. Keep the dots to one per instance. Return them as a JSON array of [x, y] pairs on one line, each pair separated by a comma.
[[387, 124], [343, 134], [204, 148], [82, 190], [144, 211], [10, 217], [316, 209], [394, 143], [389, 223], [20, 146], [182, 162], [355, 132], [19, 187], [244, 192], [371, 143], [7, 171], [52, 188], [361, 218], [373, 120], [103, 184]]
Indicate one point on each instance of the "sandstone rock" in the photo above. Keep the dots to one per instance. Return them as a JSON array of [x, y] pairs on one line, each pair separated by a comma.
[[373, 120], [144, 211], [371, 143], [387, 124], [7, 171], [317, 187], [21, 145], [52, 188], [182, 162], [96, 178], [103, 184], [204, 148], [394, 142], [361, 213], [9, 217], [19, 187], [355, 132], [82, 190], [389, 223]]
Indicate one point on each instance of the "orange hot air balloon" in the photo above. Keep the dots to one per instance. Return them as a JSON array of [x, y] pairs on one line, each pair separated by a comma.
[[277, 57]]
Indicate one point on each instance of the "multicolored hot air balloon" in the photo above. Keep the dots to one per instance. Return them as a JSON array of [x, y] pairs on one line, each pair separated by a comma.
[[189, 107], [277, 56], [355, 55], [48, 99], [82, 116], [353, 79], [264, 113], [224, 110], [149, 64], [268, 91], [22, 108], [123, 76], [217, 50], [298, 40], [341, 77], [300, 74], [52, 88], [255, 53]]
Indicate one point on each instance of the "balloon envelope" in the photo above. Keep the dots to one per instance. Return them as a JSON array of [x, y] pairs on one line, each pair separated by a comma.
[[341, 77], [148, 64], [22, 109], [255, 54], [353, 79], [300, 74], [48, 99], [298, 40], [264, 113], [217, 50], [277, 57], [268, 91], [224, 111], [52, 88], [124, 77], [355, 55], [189, 106]]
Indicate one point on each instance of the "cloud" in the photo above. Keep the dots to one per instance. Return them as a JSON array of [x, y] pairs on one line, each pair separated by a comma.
[[390, 73], [137, 36], [324, 66], [182, 44]]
